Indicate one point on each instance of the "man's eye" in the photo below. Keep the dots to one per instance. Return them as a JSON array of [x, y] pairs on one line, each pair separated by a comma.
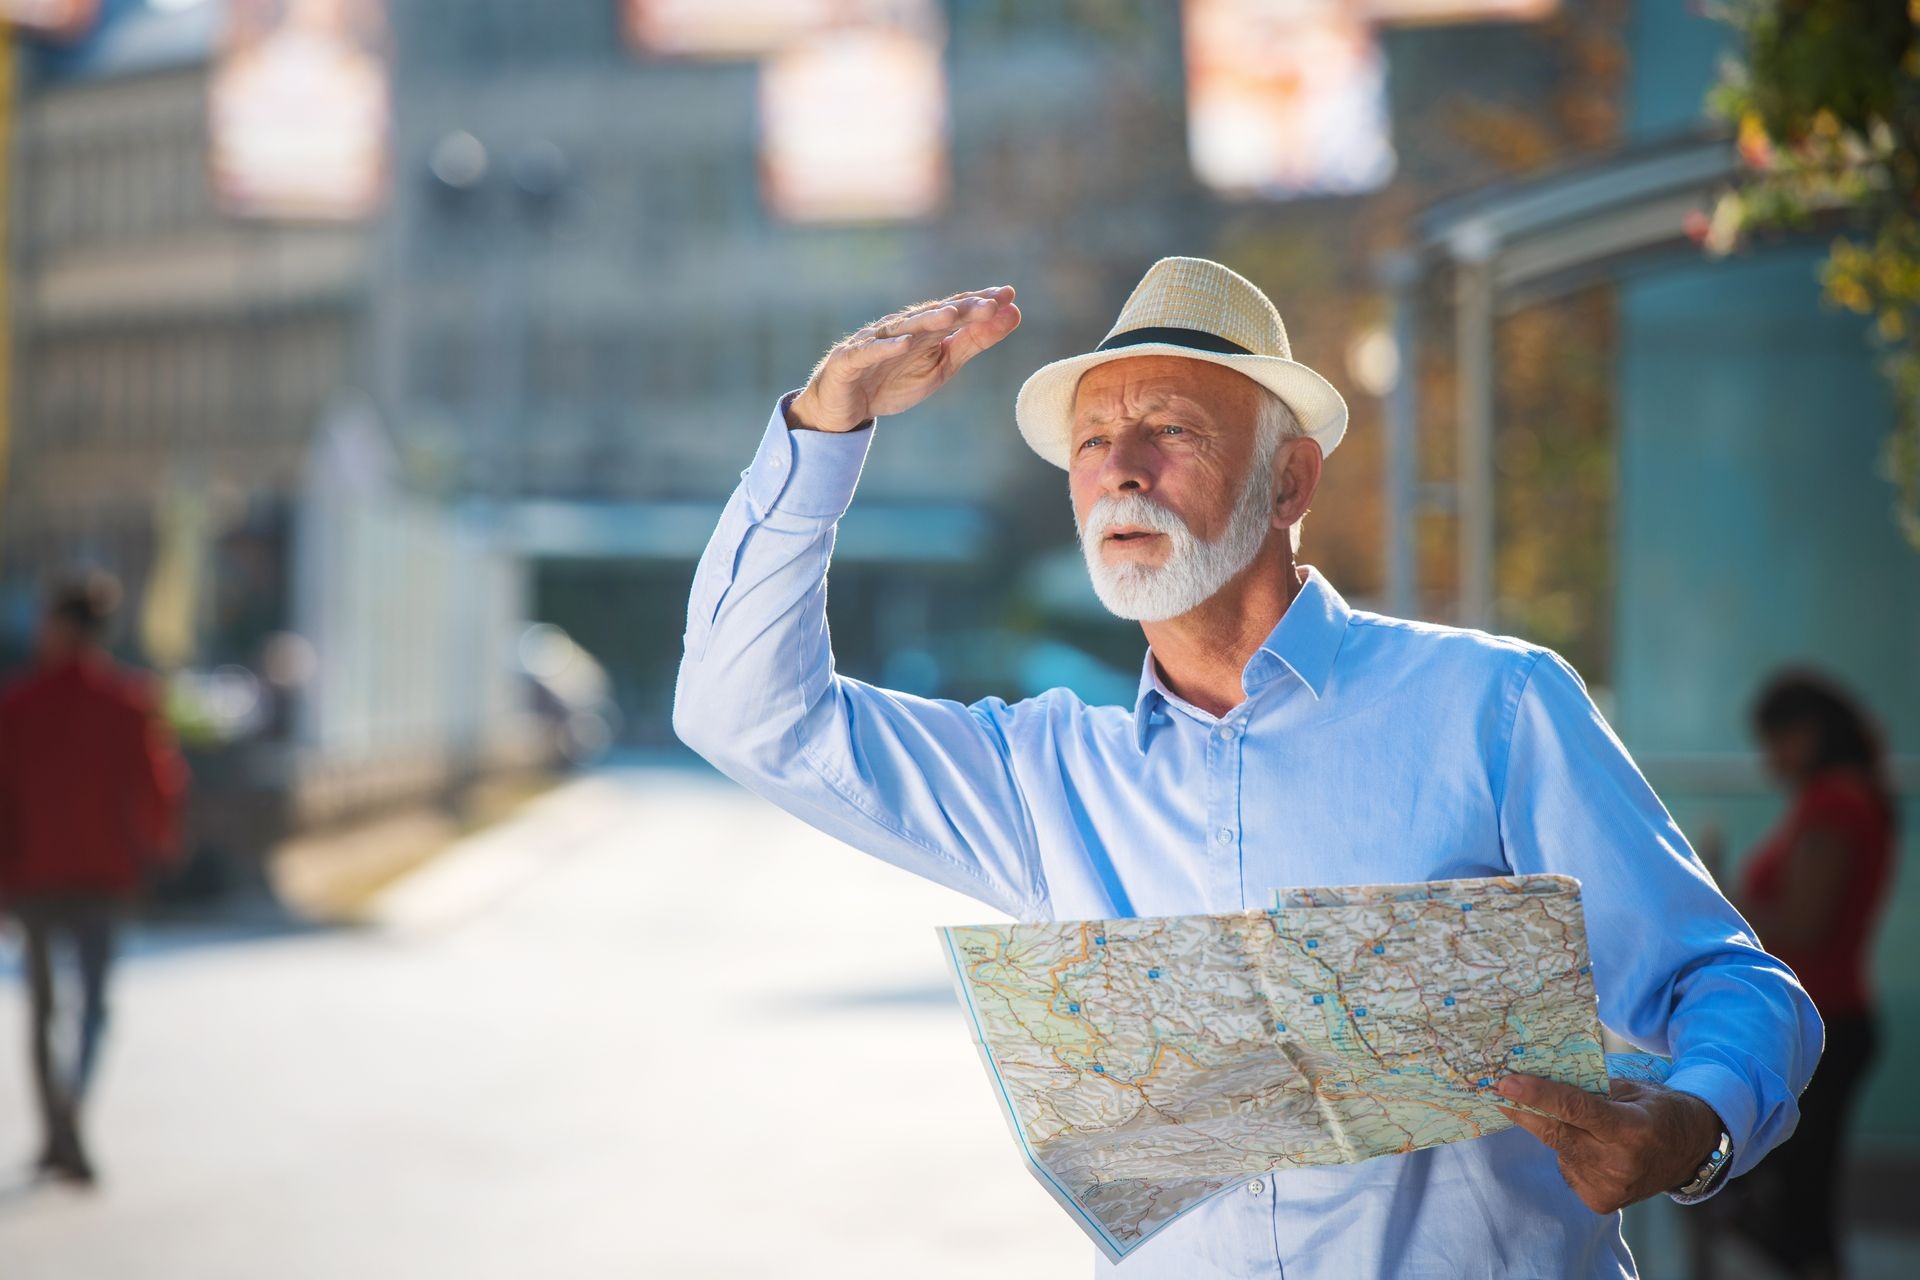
[[1090, 440], [1174, 427]]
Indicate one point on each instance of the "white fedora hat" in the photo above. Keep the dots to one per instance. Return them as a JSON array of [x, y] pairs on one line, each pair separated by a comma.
[[1200, 310]]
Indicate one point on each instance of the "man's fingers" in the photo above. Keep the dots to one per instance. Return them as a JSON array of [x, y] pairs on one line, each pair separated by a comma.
[[929, 338], [935, 319], [969, 342], [919, 316], [998, 293], [1575, 1147], [1001, 293], [1627, 1090], [930, 315], [969, 309], [1552, 1133], [1577, 1153], [1576, 1107], [867, 354], [975, 323]]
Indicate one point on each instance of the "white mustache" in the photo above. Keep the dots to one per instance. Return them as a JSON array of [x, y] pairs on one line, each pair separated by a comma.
[[1132, 509]]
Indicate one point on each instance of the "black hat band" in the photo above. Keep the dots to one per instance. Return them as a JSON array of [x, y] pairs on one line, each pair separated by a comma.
[[1198, 339]]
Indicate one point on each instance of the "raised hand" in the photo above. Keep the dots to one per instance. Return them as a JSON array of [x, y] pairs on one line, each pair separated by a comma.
[[1615, 1151], [896, 362]]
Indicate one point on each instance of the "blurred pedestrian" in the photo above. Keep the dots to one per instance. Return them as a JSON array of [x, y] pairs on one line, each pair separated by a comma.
[[90, 791], [1814, 889]]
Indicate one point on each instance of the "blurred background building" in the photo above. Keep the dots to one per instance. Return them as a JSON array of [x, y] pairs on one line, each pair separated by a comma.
[[592, 297], [360, 338], [191, 412]]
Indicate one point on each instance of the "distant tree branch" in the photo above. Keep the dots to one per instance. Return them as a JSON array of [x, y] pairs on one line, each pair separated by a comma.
[[1825, 101]]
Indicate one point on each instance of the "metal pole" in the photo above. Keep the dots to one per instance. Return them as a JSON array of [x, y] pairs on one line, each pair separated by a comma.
[[1400, 273], [1473, 338]]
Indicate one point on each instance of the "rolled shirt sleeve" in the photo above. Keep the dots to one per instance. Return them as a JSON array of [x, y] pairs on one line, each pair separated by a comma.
[[1676, 968], [924, 783]]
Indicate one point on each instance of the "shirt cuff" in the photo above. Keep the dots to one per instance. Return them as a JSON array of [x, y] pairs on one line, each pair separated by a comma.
[[805, 473], [1731, 1100]]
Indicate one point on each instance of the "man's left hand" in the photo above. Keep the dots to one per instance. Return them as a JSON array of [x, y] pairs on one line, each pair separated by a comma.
[[1615, 1151]]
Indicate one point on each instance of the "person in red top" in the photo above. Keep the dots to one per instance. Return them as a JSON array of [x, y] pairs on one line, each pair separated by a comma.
[[91, 785], [1813, 890]]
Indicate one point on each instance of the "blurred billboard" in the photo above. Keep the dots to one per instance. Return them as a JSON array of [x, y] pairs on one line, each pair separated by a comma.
[[738, 29], [755, 28], [1285, 98], [1412, 11], [298, 110], [51, 19], [826, 154]]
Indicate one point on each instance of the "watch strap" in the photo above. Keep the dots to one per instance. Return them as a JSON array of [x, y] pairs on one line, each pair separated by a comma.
[[1710, 1169]]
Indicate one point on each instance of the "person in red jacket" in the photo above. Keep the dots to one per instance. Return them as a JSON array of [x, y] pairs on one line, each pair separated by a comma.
[[91, 784], [1814, 890]]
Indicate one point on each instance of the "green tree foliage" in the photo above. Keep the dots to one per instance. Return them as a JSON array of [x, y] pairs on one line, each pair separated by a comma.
[[1826, 101]]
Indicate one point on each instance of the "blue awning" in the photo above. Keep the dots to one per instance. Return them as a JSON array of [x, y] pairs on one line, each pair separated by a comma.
[[874, 532]]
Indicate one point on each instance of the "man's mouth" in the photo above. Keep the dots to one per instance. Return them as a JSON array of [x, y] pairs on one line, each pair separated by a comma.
[[1128, 533]]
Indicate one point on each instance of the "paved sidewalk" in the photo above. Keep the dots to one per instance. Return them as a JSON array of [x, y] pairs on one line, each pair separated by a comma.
[[649, 1027]]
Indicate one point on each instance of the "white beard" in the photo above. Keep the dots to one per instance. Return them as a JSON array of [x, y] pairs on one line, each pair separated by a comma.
[[1194, 569]]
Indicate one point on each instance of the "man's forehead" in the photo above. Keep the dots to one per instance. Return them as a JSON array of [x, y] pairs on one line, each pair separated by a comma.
[[1146, 384], [1146, 403]]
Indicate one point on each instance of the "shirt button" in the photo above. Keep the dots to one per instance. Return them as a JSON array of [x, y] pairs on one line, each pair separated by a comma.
[[1226, 733], [1255, 1187], [1224, 835], [778, 462]]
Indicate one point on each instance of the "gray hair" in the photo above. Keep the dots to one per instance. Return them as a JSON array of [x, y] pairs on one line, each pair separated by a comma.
[[1273, 425]]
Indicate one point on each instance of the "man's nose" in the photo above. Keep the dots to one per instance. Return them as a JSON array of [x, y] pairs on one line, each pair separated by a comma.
[[1127, 468]]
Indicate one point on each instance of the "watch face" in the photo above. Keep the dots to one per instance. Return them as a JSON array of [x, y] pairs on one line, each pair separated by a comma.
[[1715, 1162]]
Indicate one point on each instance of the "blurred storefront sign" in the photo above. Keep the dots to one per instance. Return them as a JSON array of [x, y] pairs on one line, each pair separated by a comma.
[[703, 29], [299, 109], [755, 28], [1416, 11], [50, 19], [1285, 98], [826, 155]]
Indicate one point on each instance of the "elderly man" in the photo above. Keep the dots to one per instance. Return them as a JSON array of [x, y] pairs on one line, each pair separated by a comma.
[[1280, 737]]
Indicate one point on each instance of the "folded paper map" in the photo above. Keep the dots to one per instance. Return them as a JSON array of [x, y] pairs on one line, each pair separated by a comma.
[[1148, 1065]]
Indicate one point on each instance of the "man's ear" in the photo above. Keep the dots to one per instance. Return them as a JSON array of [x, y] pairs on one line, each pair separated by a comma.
[[1295, 479]]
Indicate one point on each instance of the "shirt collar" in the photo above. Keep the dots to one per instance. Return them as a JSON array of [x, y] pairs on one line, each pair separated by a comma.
[[1305, 642]]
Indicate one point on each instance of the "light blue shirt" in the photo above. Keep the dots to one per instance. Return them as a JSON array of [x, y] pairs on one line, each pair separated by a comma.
[[1368, 749]]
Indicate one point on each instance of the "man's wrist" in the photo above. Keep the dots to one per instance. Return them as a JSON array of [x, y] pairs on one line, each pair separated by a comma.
[[1707, 1178], [1713, 1151], [810, 474], [804, 415]]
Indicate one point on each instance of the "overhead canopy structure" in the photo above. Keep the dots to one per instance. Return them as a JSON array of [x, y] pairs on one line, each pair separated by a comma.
[[1508, 246], [939, 533]]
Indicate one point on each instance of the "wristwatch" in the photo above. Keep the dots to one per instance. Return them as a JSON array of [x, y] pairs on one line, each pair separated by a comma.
[[1716, 1161]]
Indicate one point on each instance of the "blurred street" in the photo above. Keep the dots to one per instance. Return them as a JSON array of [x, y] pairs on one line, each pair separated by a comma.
[[648, 1027]]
